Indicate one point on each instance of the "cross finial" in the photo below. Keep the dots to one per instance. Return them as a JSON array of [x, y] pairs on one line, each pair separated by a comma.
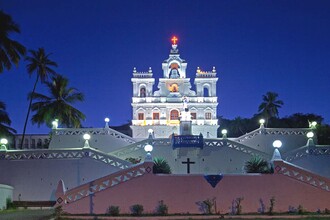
[[174, 40]]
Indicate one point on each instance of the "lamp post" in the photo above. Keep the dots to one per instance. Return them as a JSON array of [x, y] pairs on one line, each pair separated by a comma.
[[262, 123], [150, 132], [310, 141], [55, 124], [313, 124], [148, 148], [106, 120], [224, 133], [276, 155], [86, 138], [3, 143]]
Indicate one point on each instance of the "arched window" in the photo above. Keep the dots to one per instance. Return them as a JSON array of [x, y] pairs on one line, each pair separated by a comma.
[[206, 91], [39, 143], [141, 116], [142, 92], [33, 143], [174, 115], [26, 143]]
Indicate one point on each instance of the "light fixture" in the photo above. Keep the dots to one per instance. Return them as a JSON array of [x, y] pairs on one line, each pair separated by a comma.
[[277, 155], [87, 137], [55, 124], [148, 148], [277, 144], [224, 133], [150, 131], [262, 121], [106, 120], [3, 141], [310, 134]]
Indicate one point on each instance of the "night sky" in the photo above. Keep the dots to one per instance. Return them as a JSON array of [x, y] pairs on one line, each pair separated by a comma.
[[256, 46]]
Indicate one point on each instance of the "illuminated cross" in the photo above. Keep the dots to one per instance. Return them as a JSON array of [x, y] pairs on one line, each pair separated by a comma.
[[188, 162], [174, 40]]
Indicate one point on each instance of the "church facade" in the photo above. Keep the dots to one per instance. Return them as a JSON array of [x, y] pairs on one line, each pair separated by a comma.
[[159, 111]]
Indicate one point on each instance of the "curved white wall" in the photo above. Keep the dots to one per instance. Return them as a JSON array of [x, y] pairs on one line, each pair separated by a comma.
[[5, 192]]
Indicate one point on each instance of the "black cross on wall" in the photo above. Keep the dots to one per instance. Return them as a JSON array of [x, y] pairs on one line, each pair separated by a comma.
[[188, 162]]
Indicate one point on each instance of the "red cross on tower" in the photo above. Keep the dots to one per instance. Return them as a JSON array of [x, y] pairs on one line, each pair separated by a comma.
[[174, 40]]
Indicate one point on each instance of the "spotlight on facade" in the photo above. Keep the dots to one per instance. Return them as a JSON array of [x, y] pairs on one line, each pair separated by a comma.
[[3, 143], [277, 155], [55, 124], [310, 141], [148, 148], [224, 133], [86, 138], [277, 144], [106, 120]]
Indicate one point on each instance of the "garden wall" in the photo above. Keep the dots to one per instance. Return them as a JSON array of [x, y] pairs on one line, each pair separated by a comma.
[[291, 186]]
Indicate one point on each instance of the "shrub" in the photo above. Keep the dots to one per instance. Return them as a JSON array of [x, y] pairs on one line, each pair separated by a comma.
[[58, 212], [210, 206], [162, 208], [326, 211], [137, 209], [257, 165], [10, 204], [271, 206], [237, 206], [113, 210], [161, 166], [301, 210]]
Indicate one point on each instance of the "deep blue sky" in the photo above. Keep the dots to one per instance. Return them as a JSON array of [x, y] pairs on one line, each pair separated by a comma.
[[256, 46]]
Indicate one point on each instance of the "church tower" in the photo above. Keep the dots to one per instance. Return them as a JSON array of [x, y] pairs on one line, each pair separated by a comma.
[[161, 110]]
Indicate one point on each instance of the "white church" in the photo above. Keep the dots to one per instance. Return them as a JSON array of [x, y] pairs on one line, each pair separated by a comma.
[[181, 126], [160, 110]]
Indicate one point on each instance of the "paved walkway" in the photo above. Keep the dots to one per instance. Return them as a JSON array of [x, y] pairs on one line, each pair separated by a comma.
[[200, 217]]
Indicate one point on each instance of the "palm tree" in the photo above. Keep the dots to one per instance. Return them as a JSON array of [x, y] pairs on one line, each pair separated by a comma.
[[58, 104], [257, 165], [10, 50], [5, 122], [161, 166], [270, 105], [40, 63]]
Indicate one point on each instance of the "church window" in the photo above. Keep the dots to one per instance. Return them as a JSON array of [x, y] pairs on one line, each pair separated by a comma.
[[174, 115], [208, 115], [142, 92], [206, 92], [141, 116], [193, 115], [155, 115], [39, 143], [33, 143], [26, 143]]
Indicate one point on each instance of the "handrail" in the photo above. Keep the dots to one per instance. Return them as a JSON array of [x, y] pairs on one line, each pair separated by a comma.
[[106, 182], [305, 151], [234, 145], [302, 175], [74, 153], [93, 131], [273, 131]]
